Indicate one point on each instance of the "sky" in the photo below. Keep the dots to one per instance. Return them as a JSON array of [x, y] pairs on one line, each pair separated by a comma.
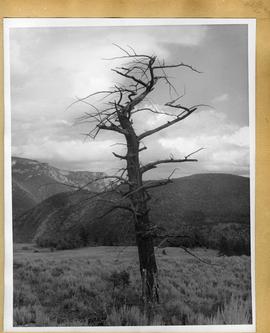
[[52, 66]]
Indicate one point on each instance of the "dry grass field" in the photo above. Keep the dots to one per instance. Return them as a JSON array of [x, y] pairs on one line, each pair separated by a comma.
[[100, 286]]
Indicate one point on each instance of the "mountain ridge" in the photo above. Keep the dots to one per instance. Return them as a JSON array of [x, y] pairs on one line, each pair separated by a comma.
[[197, 201], [34, 181]]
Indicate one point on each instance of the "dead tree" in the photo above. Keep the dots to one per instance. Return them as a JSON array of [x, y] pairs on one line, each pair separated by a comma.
[[114, 110]]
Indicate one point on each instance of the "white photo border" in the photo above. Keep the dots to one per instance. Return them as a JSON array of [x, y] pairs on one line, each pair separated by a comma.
[[10, 23]]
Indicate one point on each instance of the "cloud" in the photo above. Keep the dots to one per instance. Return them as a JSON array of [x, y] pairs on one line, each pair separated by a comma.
[[204, 121], [227, 151], [90, 155], [49, 67], [220, 98], [185, 36], [226, 144], [78, 52]]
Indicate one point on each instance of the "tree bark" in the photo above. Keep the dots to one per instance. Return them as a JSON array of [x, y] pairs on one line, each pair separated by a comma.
[[144, 237], [148, 267]]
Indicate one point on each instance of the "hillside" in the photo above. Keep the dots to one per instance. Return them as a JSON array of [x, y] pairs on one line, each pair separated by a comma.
[[33, 182], [203, 198], [75, 219], [70, 218], [22, 200]]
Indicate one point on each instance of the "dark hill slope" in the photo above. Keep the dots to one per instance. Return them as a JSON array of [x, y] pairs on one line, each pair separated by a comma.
[[26, 226], [76, 219], [22, 200], [207, 197], [71, 219]]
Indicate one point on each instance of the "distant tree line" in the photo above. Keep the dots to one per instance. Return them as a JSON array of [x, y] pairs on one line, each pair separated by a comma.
[[228, 238]]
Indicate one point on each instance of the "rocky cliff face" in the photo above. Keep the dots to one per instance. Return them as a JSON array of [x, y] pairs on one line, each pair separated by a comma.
[[37, 181]]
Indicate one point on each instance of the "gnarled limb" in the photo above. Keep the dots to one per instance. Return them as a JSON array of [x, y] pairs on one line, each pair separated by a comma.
[[168, 123], [153, 165]]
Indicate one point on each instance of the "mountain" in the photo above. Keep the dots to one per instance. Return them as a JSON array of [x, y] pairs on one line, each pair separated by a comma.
[[57, 206], [33, 182], [22, 200], [212, 197], [200, 202], [71, 219]]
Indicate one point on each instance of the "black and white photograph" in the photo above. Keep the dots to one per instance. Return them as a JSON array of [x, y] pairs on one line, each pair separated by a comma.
[[129, 174]]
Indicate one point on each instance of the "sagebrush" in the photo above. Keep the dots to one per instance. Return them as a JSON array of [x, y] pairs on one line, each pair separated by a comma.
[[101, 286]]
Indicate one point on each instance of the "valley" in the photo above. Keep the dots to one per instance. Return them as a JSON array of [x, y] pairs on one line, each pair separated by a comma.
[[212, 210]]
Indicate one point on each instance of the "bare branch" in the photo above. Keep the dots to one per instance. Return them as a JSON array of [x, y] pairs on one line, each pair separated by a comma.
[[197, 257], [120, 156], [129, 56], [167, 239], [196, 151], [177, 65], [112, 127], [118, 178], [115, 208], [168, 236], [153, 165], [132, 49], [150, 184], [108, 92], [130, 77], [59, 183], [143, 148], [158, 183], [155, 111], [169, 123], [118, 144], [121, 48]]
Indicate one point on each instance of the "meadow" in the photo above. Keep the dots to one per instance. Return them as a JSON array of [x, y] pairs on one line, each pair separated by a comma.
[[100, 286]]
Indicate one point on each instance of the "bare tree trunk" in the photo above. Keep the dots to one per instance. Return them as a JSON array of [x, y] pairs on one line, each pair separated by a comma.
[[141, 73], [144, 237], [148, 267]]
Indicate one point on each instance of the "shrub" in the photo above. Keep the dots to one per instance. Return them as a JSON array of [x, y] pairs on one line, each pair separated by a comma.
[[88, 287], [126, 316], [235, 312], [131, 316], [121, 279], [233, 247]]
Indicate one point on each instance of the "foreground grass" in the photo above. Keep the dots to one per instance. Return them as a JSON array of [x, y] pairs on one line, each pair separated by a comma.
[[101, 286]]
